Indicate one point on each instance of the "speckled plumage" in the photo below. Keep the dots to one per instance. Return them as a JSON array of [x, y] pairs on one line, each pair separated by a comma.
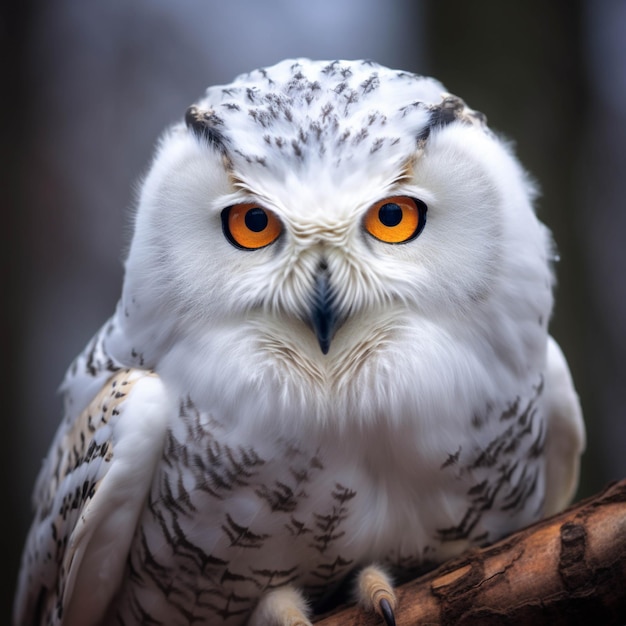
[[212, 453]]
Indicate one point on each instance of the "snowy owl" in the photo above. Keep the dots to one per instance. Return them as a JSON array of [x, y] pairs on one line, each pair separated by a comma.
[[329, 364]]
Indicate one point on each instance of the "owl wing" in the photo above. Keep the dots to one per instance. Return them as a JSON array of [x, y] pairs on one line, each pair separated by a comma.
[[88, 498], [565, 435]]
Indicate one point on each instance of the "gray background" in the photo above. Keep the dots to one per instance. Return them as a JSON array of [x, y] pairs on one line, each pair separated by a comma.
[[88, 87]]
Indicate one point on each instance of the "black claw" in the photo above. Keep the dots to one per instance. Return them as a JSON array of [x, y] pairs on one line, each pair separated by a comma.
[[387, 612]]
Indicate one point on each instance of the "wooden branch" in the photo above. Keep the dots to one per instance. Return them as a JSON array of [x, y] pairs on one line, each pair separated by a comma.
[[565, 570]]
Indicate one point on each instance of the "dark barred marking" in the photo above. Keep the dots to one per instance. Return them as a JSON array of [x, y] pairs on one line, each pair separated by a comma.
[[297, 528], [242, 536], [280, 497], [328, 525], [274, 578]]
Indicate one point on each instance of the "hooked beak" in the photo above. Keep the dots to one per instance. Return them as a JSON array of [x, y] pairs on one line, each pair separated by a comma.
[[324, 318]]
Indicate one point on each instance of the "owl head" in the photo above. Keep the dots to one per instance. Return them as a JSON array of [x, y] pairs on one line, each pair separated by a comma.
[[332, 237]]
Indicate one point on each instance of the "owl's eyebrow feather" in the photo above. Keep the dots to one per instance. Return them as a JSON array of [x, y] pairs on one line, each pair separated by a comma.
[[204, 124], [451, 109]]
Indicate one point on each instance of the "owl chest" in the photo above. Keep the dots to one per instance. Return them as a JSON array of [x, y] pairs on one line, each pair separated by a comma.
[[277, 506], [223, 523], [230, 517]]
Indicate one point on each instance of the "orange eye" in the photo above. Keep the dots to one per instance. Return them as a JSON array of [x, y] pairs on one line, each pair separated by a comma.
[[396, 219], [250, 226]]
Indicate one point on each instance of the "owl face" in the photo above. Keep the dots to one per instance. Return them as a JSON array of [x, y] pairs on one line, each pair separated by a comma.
[[321, 219]]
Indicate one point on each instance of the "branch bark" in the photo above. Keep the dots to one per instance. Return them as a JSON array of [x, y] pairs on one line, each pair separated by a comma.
[[565, 570]]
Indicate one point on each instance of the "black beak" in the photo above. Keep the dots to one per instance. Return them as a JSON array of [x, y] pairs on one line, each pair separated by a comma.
[[324, 317]]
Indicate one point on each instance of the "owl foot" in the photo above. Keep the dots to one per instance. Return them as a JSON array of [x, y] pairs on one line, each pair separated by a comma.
[[281, 607], [375, 593]]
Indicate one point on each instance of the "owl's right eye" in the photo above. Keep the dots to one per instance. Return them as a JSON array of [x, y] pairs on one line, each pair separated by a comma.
[[250, 226]]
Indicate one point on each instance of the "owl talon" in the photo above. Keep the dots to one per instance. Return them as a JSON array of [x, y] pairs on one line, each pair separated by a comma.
[[375, 593], [387, 612]]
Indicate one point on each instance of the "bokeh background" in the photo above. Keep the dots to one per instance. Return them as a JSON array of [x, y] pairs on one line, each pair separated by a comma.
[[88, 86]]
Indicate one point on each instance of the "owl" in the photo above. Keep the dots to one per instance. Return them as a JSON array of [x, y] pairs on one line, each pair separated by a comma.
[[329, 366]]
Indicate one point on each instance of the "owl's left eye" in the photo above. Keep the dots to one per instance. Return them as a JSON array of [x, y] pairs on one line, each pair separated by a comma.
[[250, 226], [395, 220]]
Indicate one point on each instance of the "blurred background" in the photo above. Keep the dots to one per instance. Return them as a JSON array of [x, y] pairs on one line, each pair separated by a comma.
[[89, 86]]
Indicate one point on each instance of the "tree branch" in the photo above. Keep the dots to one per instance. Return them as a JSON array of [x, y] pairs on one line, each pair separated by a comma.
[[565, 570]]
